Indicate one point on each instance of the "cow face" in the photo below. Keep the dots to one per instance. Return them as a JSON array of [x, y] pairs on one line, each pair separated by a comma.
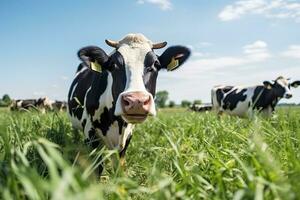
[[134, 67], [281, 87]]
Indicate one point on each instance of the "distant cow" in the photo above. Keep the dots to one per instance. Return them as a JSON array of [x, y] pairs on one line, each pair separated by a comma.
[[41, 104], [201, 107], [59, 106], [242, 101], [111, 93]]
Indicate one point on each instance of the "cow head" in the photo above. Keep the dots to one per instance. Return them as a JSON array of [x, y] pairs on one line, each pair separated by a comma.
[[281, 87], [134, 67]]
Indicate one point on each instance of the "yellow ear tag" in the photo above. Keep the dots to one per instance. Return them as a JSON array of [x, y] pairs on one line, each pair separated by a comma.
[[173, 64], [96, 66]]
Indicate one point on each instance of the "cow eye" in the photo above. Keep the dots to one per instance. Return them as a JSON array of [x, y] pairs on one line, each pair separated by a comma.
[[150, 69], [114, 66]]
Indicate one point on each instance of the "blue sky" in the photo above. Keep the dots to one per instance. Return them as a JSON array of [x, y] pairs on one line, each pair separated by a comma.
[[233, 42]]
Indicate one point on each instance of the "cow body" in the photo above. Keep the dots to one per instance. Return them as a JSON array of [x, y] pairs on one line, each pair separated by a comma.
[[59, 106], [110, 94], [41, 104], [242, 101], [201, 107]]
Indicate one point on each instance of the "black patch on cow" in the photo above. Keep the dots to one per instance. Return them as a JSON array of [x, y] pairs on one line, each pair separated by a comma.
[[80, 67], [151, 65], [118, 74], [76, 102], [233, 98], [220, 93], [264, 98], [83, 123], [107, 118], [123, 151], [28, 103]]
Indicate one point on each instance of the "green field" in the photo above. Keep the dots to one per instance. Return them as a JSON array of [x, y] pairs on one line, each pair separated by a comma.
[[177, 155]]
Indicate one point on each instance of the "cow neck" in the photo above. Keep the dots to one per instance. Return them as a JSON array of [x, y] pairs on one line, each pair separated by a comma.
[[269, 98]]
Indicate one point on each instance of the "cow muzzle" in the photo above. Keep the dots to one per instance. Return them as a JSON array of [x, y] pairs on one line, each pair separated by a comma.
[[136, 106]]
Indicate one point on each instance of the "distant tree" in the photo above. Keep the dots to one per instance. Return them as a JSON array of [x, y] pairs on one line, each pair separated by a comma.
[[185, 103], [161, 98], [172, 104], [6, 99], [197, 101]]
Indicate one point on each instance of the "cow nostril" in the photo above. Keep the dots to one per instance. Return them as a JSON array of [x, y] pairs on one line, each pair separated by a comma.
[[126, 102], [147, 101]]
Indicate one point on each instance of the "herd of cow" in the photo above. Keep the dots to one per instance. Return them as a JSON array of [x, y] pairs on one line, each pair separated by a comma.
[[113, 92], [42, 104]]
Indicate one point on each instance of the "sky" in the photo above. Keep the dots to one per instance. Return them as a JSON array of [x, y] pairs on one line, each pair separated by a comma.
[[242, 42]]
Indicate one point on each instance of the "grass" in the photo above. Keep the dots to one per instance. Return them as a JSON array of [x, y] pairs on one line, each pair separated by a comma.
[[177, 155]]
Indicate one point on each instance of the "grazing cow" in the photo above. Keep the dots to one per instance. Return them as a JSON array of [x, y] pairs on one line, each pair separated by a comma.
[[242, 101], [111, 93], [59, 106], [201, 107], [41, 104]]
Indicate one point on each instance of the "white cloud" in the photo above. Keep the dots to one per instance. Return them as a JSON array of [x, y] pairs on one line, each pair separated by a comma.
[[252, 53], [292, 52], [257, 51], [162, 4], [280, 9]]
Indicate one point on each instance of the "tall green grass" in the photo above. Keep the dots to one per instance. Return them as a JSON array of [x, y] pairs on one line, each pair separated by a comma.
[[177, 155]]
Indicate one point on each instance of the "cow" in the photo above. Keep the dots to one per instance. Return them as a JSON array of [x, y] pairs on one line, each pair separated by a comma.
[[42, 104], [200, 107], [111, 93], [244, 101], [59, 106]]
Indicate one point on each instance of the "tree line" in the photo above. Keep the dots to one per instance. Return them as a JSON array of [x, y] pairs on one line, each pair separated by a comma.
[[162, 97]]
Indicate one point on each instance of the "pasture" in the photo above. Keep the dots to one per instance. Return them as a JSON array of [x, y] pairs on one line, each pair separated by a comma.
[[176, 155]]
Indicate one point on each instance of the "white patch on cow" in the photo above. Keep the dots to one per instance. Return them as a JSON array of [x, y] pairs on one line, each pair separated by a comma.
[[75, 122], [106, 99], [134, 48], [242, 108], [125, 134], [80, 71], [19, 104], [112, 138], [73, 90], [284, 84]]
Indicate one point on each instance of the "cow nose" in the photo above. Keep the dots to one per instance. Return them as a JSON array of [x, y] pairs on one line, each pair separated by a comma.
[[136, 103], [288, 96]]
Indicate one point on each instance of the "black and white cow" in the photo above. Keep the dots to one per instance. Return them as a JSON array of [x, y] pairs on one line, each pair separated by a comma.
[[242, 101], [41, 104], [111, 93], [59, 106], [201, 107]]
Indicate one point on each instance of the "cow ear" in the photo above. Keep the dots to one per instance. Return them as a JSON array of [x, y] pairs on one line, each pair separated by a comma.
[[173, 57], [268, 85], [295, 84], [94, 57]]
